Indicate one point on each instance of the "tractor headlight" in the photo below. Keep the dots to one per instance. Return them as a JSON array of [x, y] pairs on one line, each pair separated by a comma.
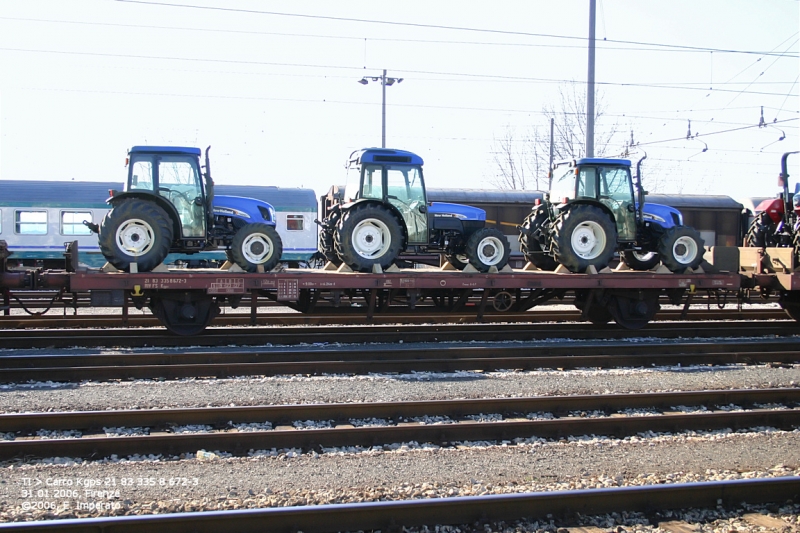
[[267, 213]]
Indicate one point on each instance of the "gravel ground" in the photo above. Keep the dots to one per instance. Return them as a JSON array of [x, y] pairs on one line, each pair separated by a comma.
[[146, 394], [290, 477]]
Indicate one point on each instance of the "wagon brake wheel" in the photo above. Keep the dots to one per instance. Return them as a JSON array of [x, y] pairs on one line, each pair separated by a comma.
[[502, 301]]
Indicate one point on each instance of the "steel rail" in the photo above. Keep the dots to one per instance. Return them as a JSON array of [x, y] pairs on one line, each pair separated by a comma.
[[24, 339], [72, 368], [342, 412], [240, 443], [393, 515], [338, 316]]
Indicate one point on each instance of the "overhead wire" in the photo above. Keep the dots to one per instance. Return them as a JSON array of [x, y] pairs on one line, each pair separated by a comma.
[[429, 26]]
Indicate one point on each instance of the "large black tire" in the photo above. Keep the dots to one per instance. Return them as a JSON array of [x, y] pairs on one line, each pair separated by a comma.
[[796, 247], [137, 231], [530, 246], [254, 245], [584, 235], [487, 248], [756, 236], [640, 260], [367, 235], [681, 247]]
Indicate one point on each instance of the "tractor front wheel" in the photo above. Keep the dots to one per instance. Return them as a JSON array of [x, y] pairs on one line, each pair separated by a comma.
[[584, 236], [367, 235], [640, 260], [488, 248], [681, 247], [254, 245], [135, 231]]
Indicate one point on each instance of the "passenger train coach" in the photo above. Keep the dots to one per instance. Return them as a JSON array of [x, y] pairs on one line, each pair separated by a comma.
[[38, 217]]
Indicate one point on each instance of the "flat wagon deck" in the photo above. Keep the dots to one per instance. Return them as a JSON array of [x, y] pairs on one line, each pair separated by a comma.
[[186, 300]]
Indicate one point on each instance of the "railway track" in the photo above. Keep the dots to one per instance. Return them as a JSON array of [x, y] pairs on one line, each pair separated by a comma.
[[408, 358], [342, 316], [452, 511], [244, 336], [338, 425]]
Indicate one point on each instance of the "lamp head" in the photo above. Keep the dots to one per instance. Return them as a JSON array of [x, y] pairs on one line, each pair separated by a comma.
[[363, 81]]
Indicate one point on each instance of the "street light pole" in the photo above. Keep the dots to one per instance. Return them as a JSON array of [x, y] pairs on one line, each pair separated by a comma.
[[383, 110], [384, 80]]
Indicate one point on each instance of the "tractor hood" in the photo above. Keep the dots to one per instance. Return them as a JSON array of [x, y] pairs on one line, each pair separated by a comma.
[[462, 212], [663, 215], [247, 209]]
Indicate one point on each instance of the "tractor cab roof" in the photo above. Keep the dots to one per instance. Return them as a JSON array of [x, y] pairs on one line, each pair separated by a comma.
[[383, 155], [603, 161], [182, 150]]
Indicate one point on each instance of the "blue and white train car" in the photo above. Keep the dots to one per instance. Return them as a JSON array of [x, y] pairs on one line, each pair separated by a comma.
[[38, 217]]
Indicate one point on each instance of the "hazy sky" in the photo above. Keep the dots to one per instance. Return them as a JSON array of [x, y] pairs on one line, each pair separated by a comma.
[[272, 85]]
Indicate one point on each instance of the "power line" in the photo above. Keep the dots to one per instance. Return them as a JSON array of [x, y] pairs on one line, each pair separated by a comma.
[[341, 67], [709, 134], [435, 26], [600, 44]]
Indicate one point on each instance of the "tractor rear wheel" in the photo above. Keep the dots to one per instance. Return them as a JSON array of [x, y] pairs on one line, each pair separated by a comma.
[[254, 245], [530, 246], [681, 247], [135, 231], [584, 236], [367, 235], [488, 248], [640, 260]]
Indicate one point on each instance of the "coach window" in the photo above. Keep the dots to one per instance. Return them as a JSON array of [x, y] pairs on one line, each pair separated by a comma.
[[31, 222], [1, 221], [294, 222], [72, 222]]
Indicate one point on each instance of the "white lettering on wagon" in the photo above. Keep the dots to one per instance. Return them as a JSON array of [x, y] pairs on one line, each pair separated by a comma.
[[227, 286], [162, 283]]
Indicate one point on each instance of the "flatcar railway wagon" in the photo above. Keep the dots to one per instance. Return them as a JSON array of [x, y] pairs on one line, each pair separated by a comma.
[[38, 217]]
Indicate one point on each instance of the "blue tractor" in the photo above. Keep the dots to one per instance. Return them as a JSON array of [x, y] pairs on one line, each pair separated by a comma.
[[168, 206], [591, 212], [383, 212]]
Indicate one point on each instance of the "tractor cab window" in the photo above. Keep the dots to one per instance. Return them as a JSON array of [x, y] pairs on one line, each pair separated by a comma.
[[406, 192], [563, 184], [142, 175], [179, 183], [616, 192], [587, 183], [372, 184]]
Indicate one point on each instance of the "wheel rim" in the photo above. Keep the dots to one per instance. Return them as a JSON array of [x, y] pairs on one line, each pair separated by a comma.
[[257, 248], [371, 238], [588, 240], [490, 251], [135, 237], [684, 250], [643, 256]]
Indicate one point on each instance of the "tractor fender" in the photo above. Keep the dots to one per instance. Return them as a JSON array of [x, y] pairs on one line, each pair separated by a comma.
[[162, 202], [386, 205], [587, 201]]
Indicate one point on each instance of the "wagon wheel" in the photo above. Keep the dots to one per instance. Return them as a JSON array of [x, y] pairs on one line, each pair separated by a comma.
[[634, 311], [597, 312], [186, 313]]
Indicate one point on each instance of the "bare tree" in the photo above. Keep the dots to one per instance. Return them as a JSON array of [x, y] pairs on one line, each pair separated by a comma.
[[523, 162]]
